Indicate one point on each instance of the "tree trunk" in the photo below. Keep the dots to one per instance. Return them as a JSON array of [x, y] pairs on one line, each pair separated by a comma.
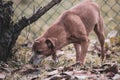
[[9, 30]]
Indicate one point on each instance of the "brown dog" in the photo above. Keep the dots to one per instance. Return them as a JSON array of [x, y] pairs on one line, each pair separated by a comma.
[[73, 26]]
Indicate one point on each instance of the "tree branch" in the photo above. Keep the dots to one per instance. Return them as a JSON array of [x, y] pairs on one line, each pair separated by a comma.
[[21, 24]]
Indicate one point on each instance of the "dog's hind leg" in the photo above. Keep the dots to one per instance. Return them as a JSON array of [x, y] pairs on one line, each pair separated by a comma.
[[100, 34]]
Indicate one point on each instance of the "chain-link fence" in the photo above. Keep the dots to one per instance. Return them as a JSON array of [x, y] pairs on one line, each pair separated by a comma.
[[110, 10]]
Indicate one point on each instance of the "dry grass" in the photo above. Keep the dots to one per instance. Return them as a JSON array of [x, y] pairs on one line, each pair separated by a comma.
[[66, 58]]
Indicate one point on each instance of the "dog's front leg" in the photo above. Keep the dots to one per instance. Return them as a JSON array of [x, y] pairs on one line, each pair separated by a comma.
[[84, 48], [78, 51], [55, 58]]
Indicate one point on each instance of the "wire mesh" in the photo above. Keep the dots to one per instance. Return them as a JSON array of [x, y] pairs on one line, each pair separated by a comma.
[[110, 10]]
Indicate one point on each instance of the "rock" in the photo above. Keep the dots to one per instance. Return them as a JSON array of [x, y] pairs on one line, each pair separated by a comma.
[[116, 77], [113, 33], [2, 76]]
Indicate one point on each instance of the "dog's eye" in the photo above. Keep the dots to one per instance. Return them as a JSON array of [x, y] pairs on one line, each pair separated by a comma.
[[38, 52]]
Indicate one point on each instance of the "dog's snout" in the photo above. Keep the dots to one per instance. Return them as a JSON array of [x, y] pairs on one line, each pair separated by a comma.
[[36, 59]]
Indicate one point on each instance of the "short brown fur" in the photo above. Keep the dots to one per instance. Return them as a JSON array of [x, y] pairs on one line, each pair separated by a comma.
[[73, 26]]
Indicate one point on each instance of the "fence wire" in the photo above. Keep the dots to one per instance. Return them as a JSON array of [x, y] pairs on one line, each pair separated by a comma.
[[110, 10]]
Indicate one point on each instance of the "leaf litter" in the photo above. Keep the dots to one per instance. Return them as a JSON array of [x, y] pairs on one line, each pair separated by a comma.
[[65, 69]]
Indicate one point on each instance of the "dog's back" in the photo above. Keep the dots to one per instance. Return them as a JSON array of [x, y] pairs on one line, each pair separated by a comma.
[[86, 12]]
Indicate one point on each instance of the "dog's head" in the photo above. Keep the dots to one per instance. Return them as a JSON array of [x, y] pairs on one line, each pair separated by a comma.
[[42, 48]]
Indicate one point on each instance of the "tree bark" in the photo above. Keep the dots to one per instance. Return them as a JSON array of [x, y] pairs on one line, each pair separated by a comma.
[[9, 30]]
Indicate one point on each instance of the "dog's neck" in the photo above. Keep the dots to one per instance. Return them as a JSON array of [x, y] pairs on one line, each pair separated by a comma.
[[57, 31]]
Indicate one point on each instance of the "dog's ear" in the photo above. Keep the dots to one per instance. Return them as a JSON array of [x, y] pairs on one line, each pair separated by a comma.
[[51, 42]]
